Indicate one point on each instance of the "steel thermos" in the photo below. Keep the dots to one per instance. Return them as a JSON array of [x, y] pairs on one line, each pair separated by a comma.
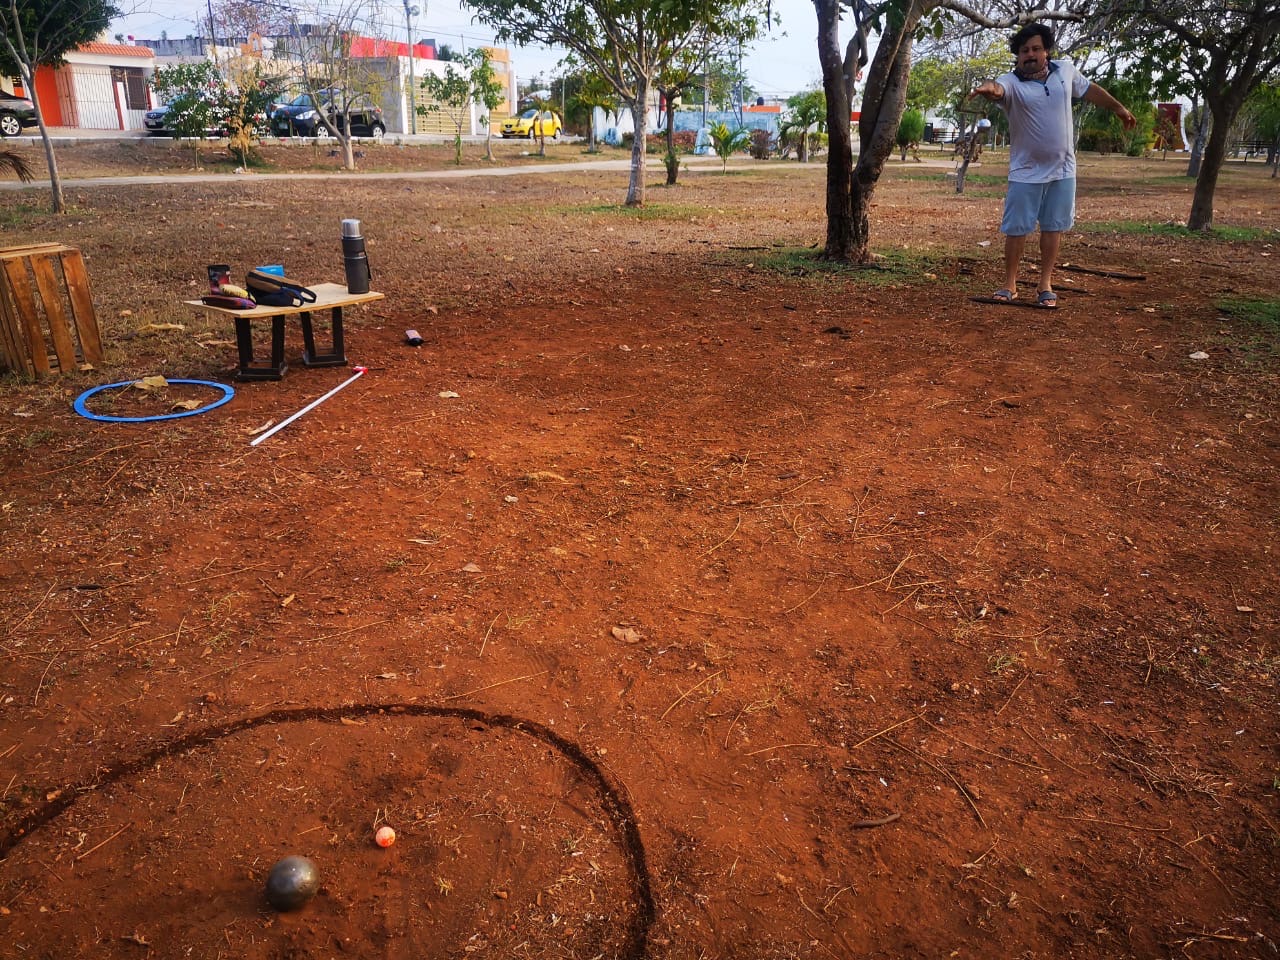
[[354, 258]]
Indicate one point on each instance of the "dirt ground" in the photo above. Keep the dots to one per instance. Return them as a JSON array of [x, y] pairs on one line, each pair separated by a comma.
[[678, 597]]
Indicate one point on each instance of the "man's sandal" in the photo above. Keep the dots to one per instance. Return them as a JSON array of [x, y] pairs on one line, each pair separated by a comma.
[[1004, 296], [1047, 299]]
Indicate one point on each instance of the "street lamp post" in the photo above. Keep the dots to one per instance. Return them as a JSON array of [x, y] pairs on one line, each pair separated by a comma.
[[411, 11]]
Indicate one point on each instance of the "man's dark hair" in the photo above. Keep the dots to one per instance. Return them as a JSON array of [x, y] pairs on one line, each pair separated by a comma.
[[1026, 33]]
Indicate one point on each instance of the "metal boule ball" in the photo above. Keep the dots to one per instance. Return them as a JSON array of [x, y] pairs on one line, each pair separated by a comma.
[[292, 882]]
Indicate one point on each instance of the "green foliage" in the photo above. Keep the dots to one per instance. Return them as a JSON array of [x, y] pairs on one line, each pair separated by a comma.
[[806, 114], [910, 130], [1102, 130], [245, 108], [196, 96], [726, 142], [627, 42], [489, 92], [450, 94], [40, 32], [593, 91]]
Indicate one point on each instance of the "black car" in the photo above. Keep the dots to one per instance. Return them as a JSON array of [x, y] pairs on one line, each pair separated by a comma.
[[301, 118], [15, 113]]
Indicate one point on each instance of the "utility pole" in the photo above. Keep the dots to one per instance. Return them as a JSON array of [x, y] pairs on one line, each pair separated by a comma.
[[409, 13]]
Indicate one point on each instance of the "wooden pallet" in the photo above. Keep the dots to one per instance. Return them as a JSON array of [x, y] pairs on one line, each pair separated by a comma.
[[44, 287]]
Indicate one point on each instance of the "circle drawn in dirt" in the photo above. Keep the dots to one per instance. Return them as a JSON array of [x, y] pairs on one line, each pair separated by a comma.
[[81, 404], [496, 842]]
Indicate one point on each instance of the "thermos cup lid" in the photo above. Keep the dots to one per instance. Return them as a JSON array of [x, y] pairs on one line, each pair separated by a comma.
[[351, 228]]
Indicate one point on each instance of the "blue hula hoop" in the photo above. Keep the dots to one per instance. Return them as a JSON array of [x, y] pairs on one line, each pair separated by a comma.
[[80, 408]]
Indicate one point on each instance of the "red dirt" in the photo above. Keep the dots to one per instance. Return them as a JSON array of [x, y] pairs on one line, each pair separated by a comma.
[[638, 602]]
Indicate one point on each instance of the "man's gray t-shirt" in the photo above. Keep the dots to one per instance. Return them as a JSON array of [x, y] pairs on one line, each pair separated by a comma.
[[1041, 129]]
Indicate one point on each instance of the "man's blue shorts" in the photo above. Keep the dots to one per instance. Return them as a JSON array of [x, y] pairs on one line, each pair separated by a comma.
[[1052, 205]]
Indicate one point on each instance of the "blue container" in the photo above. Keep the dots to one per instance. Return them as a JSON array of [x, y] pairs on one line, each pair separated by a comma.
[[276, 269]]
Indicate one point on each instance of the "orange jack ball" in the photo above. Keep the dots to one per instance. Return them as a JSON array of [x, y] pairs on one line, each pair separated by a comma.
[[385, 837]]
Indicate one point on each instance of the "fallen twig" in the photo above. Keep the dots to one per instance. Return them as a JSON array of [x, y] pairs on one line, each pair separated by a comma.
[[528, 676], [104, 842], [783, 746], [724, 541], [684, 695], [486, 635], [946, 773], [868, 824], [40, 686], [884, 731]]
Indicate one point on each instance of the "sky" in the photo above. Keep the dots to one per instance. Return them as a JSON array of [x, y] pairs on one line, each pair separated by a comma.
[[784, 62]]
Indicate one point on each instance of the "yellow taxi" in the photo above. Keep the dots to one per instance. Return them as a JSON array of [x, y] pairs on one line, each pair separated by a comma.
[[532, 124]]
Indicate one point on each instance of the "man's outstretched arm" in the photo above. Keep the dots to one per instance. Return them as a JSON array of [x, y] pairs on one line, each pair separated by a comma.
[[1100, 98]]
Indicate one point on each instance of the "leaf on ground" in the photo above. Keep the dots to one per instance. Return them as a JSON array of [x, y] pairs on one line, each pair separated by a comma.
[[449, 395], [187, 405], [626, 634], [161, 327], [471, 568], [266, 426], [151, 383], [544, 476]]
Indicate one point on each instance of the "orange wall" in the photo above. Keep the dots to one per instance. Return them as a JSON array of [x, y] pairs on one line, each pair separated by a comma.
[[47, 91]]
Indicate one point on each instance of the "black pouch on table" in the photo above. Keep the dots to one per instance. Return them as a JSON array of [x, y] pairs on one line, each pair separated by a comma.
[[269, 290]]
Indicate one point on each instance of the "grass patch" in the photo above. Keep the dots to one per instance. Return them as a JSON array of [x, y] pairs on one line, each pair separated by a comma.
[[1140, 228], [888, 267], [23, 214], [683, 212], [1260, 320]]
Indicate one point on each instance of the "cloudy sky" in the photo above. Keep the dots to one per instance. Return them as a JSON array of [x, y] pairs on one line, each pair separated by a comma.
[[783, 63]]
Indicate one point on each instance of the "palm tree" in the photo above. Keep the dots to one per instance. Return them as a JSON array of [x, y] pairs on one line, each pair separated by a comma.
[[806, 110], [727, 142], [17, 165]]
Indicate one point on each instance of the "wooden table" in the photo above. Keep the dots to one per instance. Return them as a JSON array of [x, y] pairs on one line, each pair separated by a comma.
[[329, 296]]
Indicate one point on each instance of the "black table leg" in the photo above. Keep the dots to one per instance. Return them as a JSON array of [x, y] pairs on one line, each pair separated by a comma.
[[337, 357]]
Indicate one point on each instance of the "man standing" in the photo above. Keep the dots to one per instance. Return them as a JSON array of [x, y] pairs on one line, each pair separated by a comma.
[[1036, 97]]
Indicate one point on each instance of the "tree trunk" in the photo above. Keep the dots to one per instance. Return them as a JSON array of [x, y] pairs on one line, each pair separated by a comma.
[[883, 104], [640, 114], [1197, 144], [839, 136], [850, 187], [58, 200], [488, 141], [672, 162], [1215, 152]]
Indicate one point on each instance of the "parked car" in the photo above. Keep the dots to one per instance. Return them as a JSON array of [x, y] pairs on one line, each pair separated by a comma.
[[301, 117], [15, 113], [157, 123], [529, 125]]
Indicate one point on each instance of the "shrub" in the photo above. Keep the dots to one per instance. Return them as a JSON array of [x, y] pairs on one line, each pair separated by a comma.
[[761, 144]]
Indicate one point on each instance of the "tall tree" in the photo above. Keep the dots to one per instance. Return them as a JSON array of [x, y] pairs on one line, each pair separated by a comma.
[[39, 33], [335, 80], [489, 92], [627, 42], [1230, 49]]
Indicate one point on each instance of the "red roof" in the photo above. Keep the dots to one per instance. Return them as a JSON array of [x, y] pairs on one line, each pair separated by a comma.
[[116, 49]]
